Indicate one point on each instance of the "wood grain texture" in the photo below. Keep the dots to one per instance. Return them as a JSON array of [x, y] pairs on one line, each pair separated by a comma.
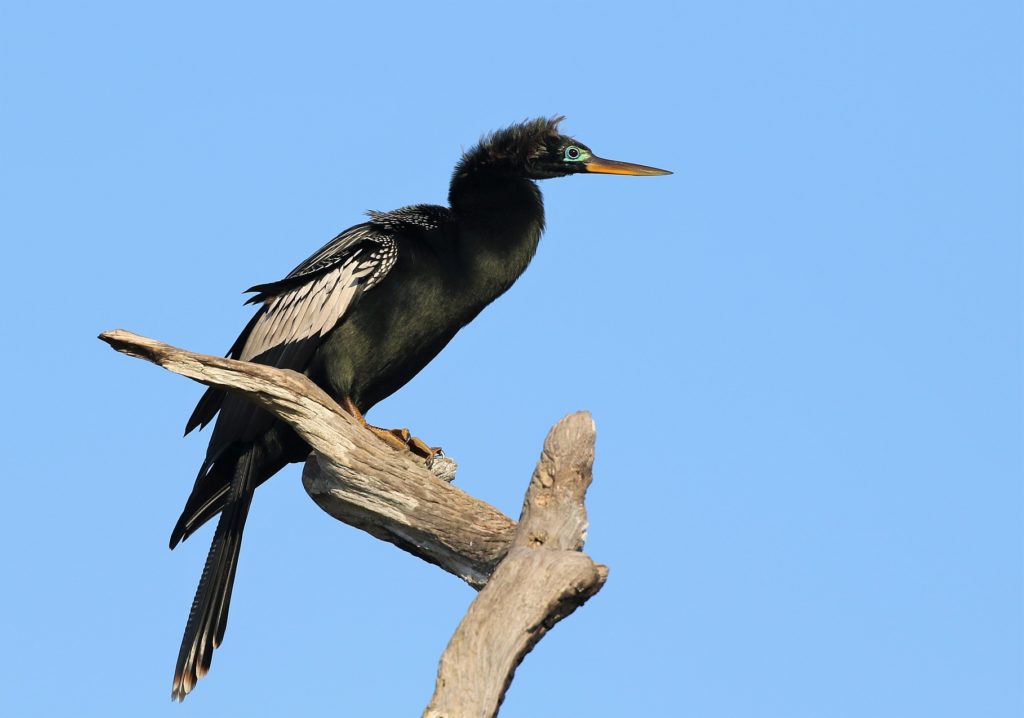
[[542, 580]]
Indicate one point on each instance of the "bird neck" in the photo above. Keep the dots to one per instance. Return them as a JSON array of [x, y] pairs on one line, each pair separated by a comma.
[[500, 217]]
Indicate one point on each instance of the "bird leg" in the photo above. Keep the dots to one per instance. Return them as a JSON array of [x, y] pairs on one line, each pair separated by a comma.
[[396, 438]]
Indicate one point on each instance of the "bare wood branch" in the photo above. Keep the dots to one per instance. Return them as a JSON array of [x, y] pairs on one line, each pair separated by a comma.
[[535, 574], [353, 475], [543, 579]]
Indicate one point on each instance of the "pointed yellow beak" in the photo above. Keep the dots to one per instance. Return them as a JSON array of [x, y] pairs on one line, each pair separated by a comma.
[[599, 165]]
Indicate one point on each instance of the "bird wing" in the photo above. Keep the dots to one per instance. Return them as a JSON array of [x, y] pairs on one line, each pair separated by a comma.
[[305, 305], [295, 313], [313, 299]]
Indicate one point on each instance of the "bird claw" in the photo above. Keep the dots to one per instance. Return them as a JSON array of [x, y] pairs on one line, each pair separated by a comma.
[[403, 438], [420, 448]]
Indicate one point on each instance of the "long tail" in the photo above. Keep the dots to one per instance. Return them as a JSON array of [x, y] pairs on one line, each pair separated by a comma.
[[209, 615]]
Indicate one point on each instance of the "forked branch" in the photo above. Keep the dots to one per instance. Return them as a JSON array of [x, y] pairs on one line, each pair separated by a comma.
[[532, 575]]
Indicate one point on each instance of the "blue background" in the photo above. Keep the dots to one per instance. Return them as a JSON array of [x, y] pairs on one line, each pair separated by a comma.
[[803, 350]]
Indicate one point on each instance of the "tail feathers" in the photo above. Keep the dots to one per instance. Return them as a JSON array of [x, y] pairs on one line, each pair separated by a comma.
[[200, 508], [213, 398], [209, 614], [207, 408]]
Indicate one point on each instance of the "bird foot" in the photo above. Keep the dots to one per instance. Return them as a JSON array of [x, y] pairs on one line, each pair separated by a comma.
[[396, 438], [403, 439]]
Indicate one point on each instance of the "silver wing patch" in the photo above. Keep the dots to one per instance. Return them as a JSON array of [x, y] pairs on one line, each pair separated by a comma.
[[314, 308]]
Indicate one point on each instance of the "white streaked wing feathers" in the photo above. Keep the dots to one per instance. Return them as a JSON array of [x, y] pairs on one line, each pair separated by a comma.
[[309, 310]]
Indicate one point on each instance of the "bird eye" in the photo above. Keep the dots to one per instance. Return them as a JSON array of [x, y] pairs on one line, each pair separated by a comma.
[[573, 153]]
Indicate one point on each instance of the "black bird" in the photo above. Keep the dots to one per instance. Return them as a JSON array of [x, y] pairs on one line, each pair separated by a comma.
[[361, 317]]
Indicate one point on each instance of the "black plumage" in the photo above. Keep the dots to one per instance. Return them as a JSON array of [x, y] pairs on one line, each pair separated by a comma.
[[361, 317]]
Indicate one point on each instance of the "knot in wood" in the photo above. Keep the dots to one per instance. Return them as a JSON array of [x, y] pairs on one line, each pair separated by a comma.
[[545, 479], [537, 539]]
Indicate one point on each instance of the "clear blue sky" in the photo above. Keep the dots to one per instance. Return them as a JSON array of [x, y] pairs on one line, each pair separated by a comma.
[[803, 350]]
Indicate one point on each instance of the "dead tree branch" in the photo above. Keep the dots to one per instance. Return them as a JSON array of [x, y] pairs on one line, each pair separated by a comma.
[[532, 575], [542, 580]]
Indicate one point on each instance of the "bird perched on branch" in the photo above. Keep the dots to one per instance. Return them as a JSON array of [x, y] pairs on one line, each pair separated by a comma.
[[361, 317]]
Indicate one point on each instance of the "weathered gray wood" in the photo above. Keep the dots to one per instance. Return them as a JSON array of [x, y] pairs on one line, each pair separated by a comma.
[[533, 574], [352, 474], [543, 579]]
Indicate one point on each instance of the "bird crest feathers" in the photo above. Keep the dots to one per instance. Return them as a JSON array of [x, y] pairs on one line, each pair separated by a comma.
[[517, 145]]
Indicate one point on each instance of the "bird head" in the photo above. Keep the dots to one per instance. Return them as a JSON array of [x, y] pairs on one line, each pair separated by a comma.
[[537, 150]]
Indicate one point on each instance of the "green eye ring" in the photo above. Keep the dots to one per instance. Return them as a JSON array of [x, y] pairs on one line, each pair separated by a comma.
[[574, 154]]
